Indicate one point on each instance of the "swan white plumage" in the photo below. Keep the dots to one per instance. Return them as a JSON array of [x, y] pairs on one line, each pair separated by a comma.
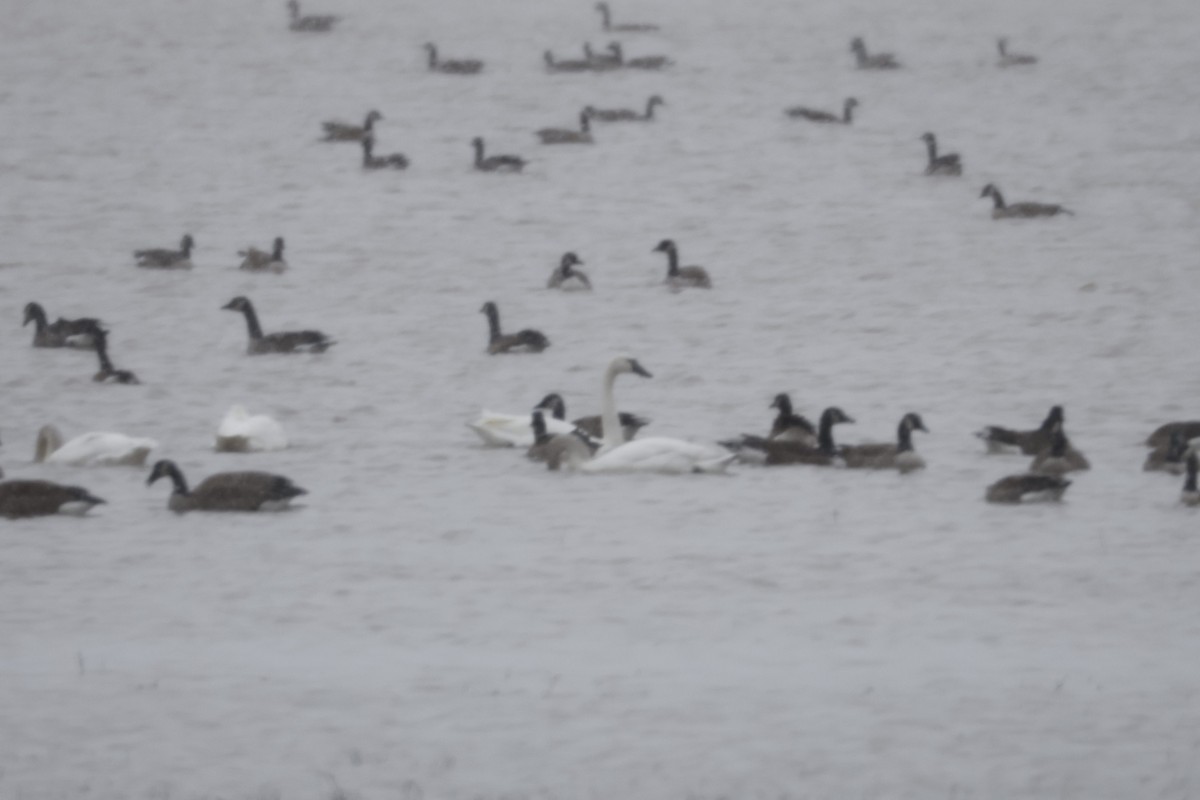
[[95, 449], [655, 454], [515, 430], [242, 432]]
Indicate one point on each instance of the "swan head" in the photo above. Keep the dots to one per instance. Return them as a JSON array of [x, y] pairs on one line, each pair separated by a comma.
[[624, 364], [239, 303], [665, 246], [988, 190]]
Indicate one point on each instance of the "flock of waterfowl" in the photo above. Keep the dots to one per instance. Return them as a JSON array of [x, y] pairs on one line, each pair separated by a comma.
[[606, 442]]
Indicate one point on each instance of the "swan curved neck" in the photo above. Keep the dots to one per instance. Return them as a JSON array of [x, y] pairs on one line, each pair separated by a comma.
[[612, 432]]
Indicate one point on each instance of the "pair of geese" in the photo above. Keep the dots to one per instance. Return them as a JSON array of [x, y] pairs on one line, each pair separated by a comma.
[[253, 259], [601, 62], [584, 134], [85, 333], [1053, 457], [887, 61], [364, 134]]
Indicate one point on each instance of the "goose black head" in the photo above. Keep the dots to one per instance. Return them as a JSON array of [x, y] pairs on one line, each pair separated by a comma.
[[238, 303], [914, 422], [665, 246], [834, 415], [553, 403], [928, 137], [782, 402], [187, 243], [856, 44], [988, 190], [33, 312]]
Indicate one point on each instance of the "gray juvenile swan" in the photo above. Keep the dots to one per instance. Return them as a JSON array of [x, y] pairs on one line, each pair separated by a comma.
[[62, 332], [312, 23], [345, 132], [814, 115], [467, 66], [945, 164], [566, 135], [877, 61], [523, 341], [625, 114], [307, 341], [164, 258], [680, 277], [501, 163], [255, 260], [1002, 210], [34, 498], [566, 277], [226, 491]]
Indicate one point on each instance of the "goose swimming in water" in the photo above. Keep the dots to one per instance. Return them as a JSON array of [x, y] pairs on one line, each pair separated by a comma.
[[345, 132], [1027, 489], [255, 260], [641, 62], [372, 161], [625, 114], [161, 258], [313, 23], [467, 66], [1190, 496], [813, 115], [566, 277], [1171, 458], [1163, 433], [567, 136], [946, 164], [1008, 59], [243, 432], [784, 451], [513, 430], [789, 426], [557, 449], [75, 333], [107, 371], [899, 456], [1002, 210], [565, 66], [523, 341], [627, 27], [600, 61], [681, 277], [1060, 457], [307, 341], [227, 491], [502, 163], [94, 449], [1000, 440], [877, 61], [34, 498]]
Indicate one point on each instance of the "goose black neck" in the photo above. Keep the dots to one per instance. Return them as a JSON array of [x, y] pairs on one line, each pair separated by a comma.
[[277, 253], [997, 198], [1193, 466], [493, 315], [252, 321], [539, 426], [848, 113], [931, 146], [784, 404], [650, 108], [825, 434], [178, 482], [100, 342], [672, 261], [1058, 445], [432, 56], [904, 436], [605, 15], [1055, 417], [478, 144]]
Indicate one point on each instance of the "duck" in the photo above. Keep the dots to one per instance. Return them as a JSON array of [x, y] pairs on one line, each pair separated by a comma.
[[255, 260], [553, 65], [312, 23], [371, 161], [1163, 433], [37, 498], [1001, 440], [513, 430], [227, 491], [1002, 210], [625, 114], [877, 61], [1171, 459], [94, 449], [1060, 457], [775, 452], [162, 258], [75, 333], [656, 454], [789, 426], [946, 164], [557, 449], [641, 62], [813, 115], [107, 371], [1027, 488], [523, 341], [601, 61], [567, 136], [469, 66], [566, 278], [242, 432], [681, 277], [345, 132], [1008, 59], [1190, 496], [502, 163], [626, 27], [899, 456], [308, 341]]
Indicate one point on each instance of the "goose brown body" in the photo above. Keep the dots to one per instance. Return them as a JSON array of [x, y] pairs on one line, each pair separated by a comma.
[[307, 341], [75, 333], [37, 498], [523, 341], [227, 491]]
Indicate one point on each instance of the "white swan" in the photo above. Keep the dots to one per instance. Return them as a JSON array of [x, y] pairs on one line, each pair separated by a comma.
[[95, 449], [516, 430], [241, 432], [655, 454]]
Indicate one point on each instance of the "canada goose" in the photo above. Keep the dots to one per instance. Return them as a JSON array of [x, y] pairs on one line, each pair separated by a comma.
[[1172, 458], [94, 449], [812, 115], [63, 332], [1000, 440], [567, 136], [161, 258], [241, 432], [601, 61], [558, 448], [565, 66], [789, 426], [625, 114], [227, 491], [311, 23], [627, 27], [509, 430], [946, 164], [784, 451], [679, 277], [1002, 210], [504, 163], [1008, 59], [1163, 433], [468, 66], [524, 341], [1190, 495], [900, 455], [107, 371], [592, 427], [345, 132], [877, 61], [1027, 489], [371, 161], [641, 62], [1060, 457], [31, 498], [566, 277], [255, 260], [308, 341]]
